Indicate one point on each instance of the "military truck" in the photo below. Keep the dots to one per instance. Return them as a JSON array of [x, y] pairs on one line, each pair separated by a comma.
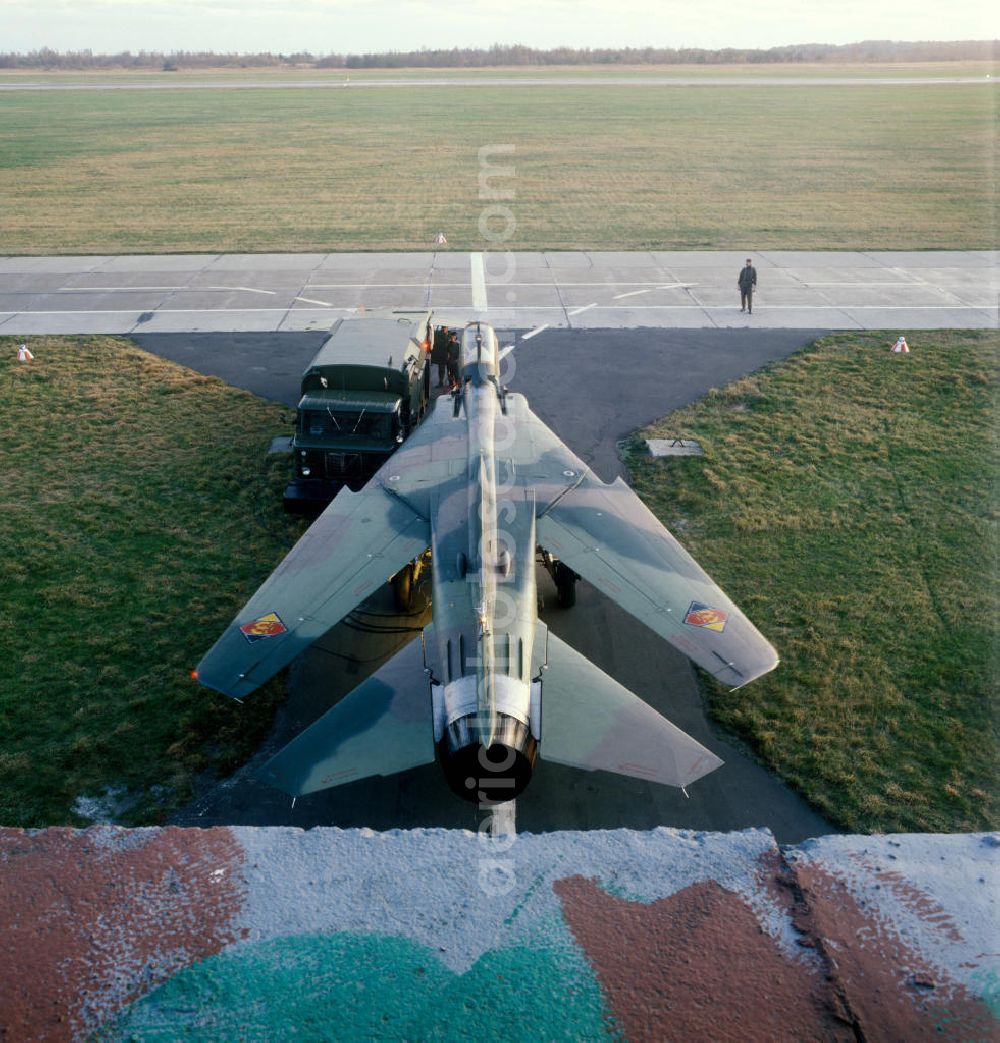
[[363, 393]]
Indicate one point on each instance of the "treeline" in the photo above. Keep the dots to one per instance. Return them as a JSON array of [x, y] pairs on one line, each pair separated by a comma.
[[868, 51], [46, 58], [513, 55]]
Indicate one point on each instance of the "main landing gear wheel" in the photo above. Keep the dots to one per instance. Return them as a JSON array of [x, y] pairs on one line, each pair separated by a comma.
[[402, 588]]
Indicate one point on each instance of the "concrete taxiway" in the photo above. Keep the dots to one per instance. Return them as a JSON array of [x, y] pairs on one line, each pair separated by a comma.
[[576, 289]]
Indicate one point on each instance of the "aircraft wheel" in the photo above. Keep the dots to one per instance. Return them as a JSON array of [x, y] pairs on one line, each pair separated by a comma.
[[402, 588]]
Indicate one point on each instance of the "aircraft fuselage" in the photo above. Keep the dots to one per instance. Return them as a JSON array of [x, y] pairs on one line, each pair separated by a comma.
[[480, 648]]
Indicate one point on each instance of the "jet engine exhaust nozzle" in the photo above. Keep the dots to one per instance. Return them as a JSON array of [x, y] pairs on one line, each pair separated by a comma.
[[488, 775]]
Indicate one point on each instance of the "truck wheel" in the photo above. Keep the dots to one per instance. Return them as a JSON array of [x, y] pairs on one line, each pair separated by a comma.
[[402, 588], [565, 585]]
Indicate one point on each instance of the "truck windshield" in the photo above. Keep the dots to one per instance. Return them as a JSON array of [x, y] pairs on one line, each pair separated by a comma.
[[337, 424]]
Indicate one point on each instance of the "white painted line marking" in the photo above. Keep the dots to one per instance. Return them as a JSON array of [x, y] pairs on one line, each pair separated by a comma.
[[245, 289], [503, 822], [538, 285], [112, 289], [580, 311], [389, 285], [535, 331], [309, 300], [477, 273], [171, 311], [634, 293], [666, 286]]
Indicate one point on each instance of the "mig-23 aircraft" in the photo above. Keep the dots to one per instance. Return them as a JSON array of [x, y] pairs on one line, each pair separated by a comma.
[[486, 486]]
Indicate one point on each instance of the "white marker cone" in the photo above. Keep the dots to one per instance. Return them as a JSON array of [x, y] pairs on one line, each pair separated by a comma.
[[901, 347], [23, 355]]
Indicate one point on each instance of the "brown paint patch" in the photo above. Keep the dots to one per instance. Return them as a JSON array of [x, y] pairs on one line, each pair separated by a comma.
[[918, 902], [892, 992], [696, 965], [91, 920]]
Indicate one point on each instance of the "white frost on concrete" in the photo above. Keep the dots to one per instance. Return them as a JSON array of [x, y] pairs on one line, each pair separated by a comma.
[[105, 809], [462, 894], [116, 801], [939, 892]]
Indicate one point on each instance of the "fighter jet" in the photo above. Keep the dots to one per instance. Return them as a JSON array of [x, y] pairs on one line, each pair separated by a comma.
[[486, 688]]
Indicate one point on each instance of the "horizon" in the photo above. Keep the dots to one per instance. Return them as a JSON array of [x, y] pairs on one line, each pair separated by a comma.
[[485, 48], [383, 26]]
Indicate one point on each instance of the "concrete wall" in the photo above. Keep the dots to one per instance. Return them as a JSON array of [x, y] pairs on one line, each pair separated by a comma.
[[267, 933]]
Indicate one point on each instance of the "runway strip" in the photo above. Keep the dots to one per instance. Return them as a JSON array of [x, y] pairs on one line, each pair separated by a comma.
[[339, 83], [580, 289]]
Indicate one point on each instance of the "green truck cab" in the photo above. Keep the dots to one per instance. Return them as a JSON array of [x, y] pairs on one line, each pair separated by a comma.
[[363, 393]]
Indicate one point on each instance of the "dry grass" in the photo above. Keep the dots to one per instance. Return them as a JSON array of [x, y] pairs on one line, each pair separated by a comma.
[[758, 71], [847, 502], [597, 167]]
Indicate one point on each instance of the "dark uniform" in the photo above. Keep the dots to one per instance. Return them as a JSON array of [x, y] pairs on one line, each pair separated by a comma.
[[454, 351], [747, 284], [439, 353]]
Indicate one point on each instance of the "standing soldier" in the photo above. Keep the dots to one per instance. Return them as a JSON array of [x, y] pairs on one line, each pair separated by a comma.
[[453, 356], [439, 353], [747, 284]]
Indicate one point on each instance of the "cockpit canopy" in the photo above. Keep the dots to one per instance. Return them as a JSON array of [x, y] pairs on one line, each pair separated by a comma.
[[479, 353]]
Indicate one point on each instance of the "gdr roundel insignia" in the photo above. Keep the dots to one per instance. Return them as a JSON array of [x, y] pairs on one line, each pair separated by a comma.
[[699, 615], [263, 626]]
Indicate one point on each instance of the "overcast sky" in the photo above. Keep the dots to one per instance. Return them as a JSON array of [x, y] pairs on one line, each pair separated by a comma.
[[323, 26]]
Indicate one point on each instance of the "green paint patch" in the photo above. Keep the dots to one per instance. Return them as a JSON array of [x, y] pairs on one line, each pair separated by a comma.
[[986, 985], [346, 986]]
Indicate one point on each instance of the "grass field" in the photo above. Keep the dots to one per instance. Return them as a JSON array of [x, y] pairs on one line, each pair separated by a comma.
[[137, 512], [798, 70], [803, 167], [849, 498]]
